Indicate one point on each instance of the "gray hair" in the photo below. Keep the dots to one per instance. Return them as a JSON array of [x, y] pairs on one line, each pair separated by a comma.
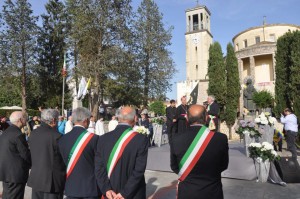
[[80, 114], [212, 97], [16, 116], [126, 116], [48, 115]]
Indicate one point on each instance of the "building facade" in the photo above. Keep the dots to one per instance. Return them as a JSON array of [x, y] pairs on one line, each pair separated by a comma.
[[255, 50]]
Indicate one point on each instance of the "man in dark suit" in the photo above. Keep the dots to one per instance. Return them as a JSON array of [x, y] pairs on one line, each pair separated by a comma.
[[80, 145], [15, 158], [203, 180], [48, 172], [213, 110], [123, 178], [171, 114], [181, 115]]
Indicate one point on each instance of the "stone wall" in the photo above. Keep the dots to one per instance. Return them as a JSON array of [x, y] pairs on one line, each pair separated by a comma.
[[225, 129]]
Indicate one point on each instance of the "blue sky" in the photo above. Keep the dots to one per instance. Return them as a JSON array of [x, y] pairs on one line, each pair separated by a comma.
[[228, 18]]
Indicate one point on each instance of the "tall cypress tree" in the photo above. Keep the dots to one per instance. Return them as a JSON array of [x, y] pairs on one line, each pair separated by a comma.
[[233, 87], [283, 73], [19, 34], [217, 75], [52, 47], [153, 39], [295, 71]]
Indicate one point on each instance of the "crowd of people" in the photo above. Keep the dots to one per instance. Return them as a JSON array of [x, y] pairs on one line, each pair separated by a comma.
[[77, 159]]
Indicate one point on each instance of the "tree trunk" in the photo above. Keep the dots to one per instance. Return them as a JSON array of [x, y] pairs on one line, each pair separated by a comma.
[[230, 132], [146, 82], [23, 81]]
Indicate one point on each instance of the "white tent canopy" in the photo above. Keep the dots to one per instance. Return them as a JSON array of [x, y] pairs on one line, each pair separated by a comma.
[[11, 108]]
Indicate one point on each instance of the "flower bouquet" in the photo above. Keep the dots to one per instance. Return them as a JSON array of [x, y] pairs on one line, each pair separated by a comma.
[[264, 151], [265, 118], [265, 124], [158, 120], [247, 126], [142, 130], [262, 154]]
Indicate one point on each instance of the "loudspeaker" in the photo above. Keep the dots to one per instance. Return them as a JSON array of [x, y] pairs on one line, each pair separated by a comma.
[[288, 169]]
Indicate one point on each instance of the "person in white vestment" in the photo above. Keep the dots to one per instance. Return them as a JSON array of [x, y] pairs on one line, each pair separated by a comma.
[[100, 127], [112, 123], [69, 125], [92, 125]]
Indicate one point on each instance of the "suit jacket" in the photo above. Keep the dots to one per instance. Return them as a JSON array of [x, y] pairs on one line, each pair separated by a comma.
[[15, 158], [204, 181], [128, 176], [214, 110], [82, 181], [48, 171], [181, 119], [171, 114]]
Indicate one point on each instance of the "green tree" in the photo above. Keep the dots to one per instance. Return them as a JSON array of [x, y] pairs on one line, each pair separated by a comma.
[[153, 56], [217, 75], [287, 85], [52, 47], [158, 108], [233, 87], [283, 73], [19, 33], [100, 32], [295, 72]]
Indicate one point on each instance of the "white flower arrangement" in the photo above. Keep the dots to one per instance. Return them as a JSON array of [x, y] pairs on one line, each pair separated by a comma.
[[265, 118], [141, 130], [264, 151]]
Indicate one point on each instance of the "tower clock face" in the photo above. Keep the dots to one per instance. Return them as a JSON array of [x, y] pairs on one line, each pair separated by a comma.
[[195, 39]]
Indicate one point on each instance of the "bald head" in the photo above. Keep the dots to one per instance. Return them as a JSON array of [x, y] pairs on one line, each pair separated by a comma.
[[127, 115], [18, 118], [196, 114]]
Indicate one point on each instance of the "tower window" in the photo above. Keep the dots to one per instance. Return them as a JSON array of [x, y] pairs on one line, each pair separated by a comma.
[[189, 24], [245, 43], [196, 67], [237, 47], [195, 22], [272, 38], [257, 39], [196, 48]]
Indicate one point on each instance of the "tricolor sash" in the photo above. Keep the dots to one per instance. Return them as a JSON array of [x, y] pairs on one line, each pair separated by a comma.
[[77, 149], [194, 152], [118, 149]]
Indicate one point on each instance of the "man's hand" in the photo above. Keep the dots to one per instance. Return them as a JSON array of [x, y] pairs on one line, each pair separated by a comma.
[[110, 194], [174, 120], [119, 196]]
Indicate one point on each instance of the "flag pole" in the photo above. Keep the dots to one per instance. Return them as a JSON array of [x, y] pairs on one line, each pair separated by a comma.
[[64, 74], [63, 97]]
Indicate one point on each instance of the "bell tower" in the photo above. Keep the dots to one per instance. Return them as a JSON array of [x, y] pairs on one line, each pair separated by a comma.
[[198, 39]]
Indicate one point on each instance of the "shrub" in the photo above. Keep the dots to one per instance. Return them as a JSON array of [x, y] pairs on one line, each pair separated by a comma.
[[263, 99]]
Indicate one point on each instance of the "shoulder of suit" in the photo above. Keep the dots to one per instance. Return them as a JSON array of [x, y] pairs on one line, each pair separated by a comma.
[[221, 135]]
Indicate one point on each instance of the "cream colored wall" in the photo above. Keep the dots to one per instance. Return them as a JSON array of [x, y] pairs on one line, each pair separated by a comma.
[[250, 35], [264, 69], [197, 57]]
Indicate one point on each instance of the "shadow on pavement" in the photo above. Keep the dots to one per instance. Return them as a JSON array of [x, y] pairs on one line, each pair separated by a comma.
[[162, 192]]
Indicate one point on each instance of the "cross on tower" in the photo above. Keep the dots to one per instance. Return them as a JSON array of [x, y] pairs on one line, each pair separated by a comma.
[[197, 2]]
